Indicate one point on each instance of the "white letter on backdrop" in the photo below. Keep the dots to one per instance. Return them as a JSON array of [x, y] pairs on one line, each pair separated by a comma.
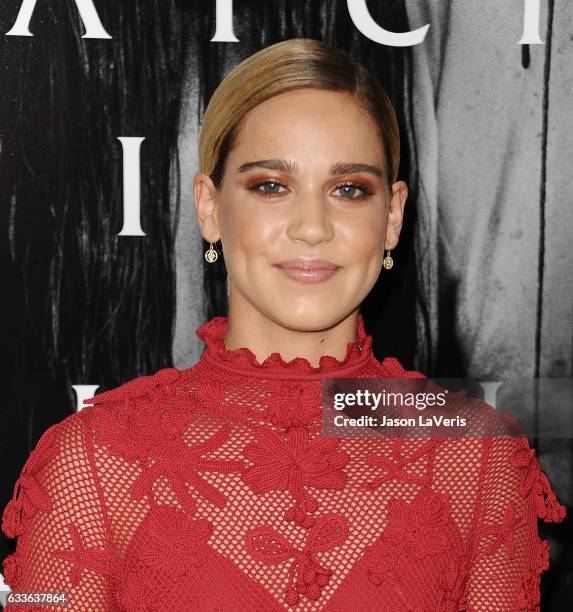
[[131, 191], [363, 21], [490, 392], [530, 34], [224, 22], [92, 24], [82, 393]]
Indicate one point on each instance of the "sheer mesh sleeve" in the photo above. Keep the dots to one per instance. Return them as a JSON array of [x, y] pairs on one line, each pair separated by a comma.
[[509, 555], [57, 516]]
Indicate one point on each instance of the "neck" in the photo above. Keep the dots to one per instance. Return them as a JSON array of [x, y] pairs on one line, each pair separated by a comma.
[[248, 327]]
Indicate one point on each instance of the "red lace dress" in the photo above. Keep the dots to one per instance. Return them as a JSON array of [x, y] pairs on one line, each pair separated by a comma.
[[212, 489]]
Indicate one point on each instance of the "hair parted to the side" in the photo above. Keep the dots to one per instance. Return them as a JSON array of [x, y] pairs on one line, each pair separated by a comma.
[[292, 64]]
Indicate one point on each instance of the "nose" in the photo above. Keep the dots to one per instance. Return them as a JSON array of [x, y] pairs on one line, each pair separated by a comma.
[[310, 219]]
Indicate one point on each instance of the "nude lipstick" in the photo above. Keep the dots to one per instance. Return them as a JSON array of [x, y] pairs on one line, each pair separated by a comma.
[[308, 270]]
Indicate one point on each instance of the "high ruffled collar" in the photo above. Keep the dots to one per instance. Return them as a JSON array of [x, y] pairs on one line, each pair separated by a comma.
[[212, 333]]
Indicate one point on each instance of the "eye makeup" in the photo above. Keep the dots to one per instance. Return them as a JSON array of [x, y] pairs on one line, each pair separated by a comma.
[[366, 192]]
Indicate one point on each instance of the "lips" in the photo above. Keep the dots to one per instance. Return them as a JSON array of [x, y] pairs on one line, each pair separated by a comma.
[[307, 265], [308, 270]]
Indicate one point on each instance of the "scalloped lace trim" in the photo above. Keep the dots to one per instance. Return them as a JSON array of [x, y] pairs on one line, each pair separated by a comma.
[[212, 333]]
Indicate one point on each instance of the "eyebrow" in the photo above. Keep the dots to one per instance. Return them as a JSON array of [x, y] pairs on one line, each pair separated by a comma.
[[284, 165]]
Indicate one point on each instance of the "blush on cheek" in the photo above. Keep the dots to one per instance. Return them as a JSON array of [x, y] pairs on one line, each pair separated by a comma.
[[370, 247]]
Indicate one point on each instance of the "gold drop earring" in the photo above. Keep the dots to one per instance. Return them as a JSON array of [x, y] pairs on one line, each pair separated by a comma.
[[211, 254], [388, 261]]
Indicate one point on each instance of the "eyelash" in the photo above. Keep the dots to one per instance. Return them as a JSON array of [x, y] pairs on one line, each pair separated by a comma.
[[365, 191]]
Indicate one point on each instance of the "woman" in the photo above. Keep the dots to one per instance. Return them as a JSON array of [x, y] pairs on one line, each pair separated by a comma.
[[212, 488]]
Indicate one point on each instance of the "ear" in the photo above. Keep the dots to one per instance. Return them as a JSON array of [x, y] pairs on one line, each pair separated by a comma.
[[395, 214], [206, 206]]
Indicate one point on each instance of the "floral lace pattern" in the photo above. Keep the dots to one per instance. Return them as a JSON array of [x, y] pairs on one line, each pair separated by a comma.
[[179, 544], [505, 532], [12, 569], [535, 482], [82, 557], [306, 575], [29, 497], [420, 536], [293, 465], [420, 527], [181, 464], [144, 425], [292, 404], [394, 468]]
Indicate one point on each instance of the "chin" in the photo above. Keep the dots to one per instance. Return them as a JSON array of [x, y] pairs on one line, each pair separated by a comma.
[[308, 319]]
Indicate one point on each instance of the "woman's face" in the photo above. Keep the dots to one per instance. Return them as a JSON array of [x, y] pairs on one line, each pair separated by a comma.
[[305, 180]]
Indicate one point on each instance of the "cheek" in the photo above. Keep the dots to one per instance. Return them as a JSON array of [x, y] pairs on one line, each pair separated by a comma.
[[249, 229], [364, 239], [256, 238]]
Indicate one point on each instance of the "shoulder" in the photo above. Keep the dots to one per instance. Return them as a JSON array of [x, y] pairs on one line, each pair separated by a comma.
[[513, 470], [391, 367], [508, 468], [133, 418], [121, 399], [102, 409], [58, 437], [51, 469], [137, 387]]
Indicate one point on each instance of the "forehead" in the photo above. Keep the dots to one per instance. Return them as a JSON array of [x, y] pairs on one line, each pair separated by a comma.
[[310, 122]]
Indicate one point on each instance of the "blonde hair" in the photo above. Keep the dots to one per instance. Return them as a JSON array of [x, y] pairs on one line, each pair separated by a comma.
[[291, 64]]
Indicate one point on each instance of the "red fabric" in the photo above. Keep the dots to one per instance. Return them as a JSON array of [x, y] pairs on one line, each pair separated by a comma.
[[211, 488]]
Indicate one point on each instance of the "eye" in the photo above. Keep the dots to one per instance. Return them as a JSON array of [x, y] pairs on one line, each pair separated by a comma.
[[273, 190], [349, 191]]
